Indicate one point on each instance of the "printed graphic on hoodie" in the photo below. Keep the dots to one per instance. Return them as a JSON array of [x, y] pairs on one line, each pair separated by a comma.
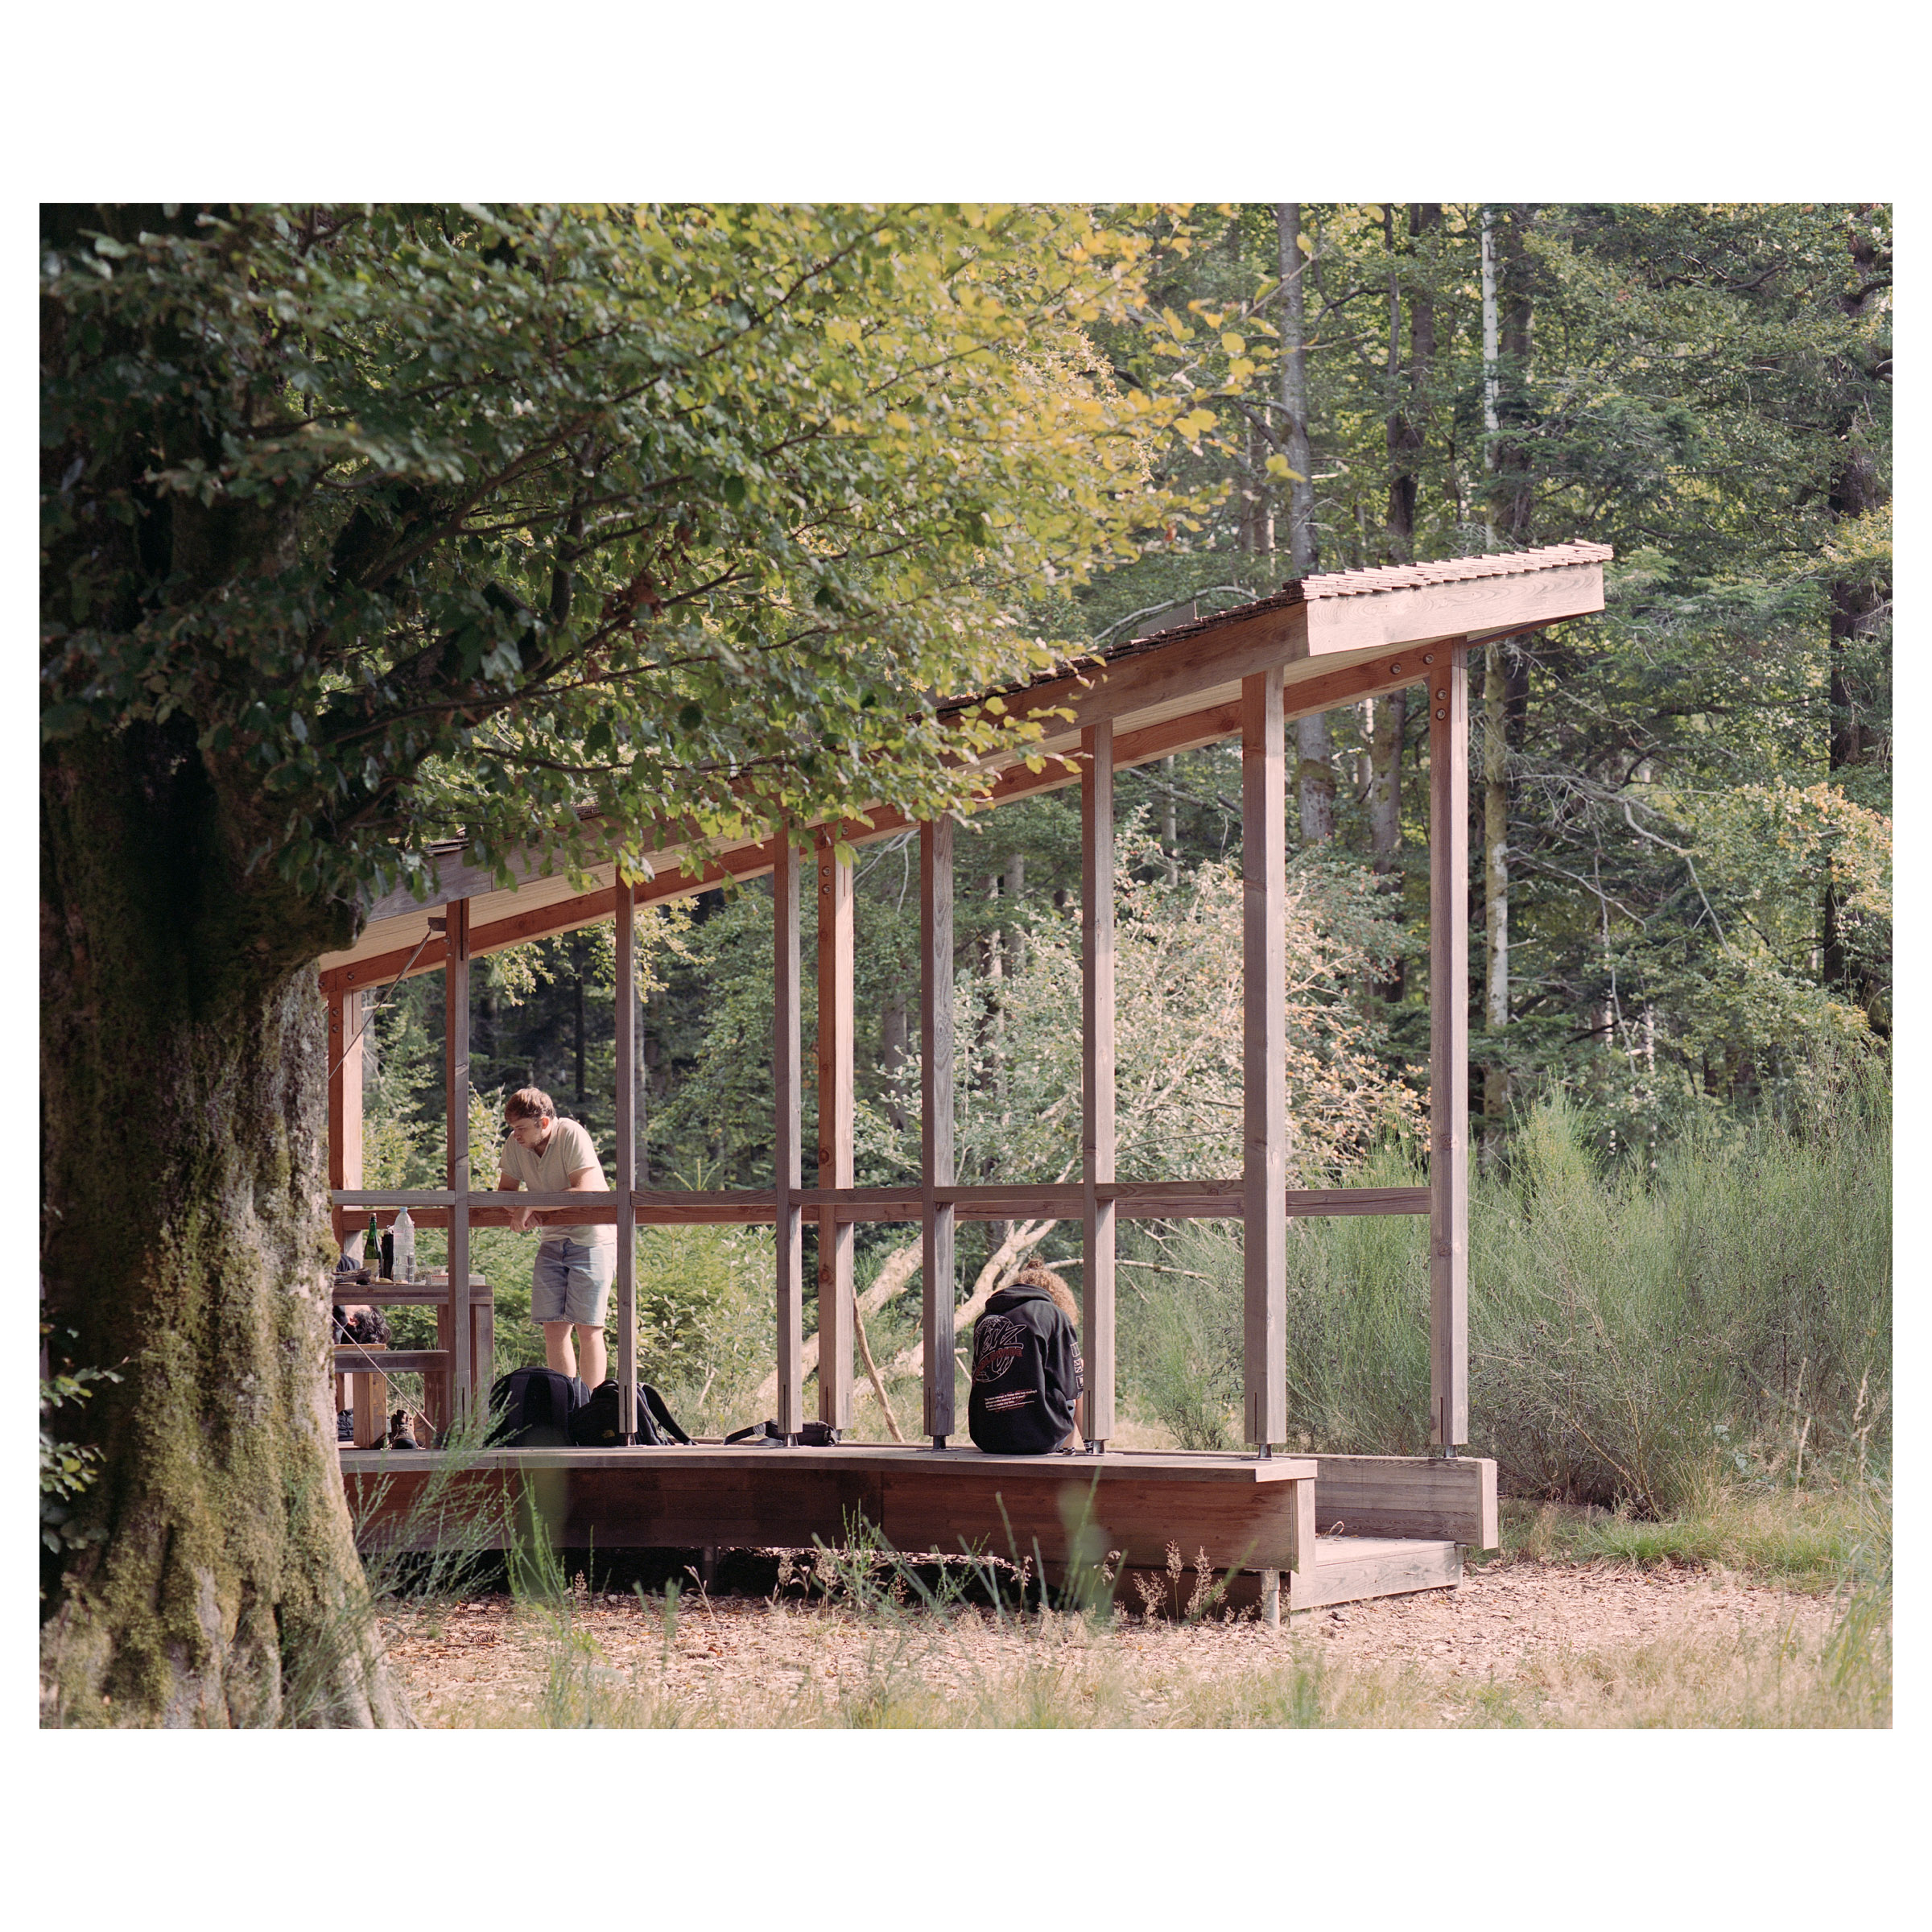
[[1000, 1343]]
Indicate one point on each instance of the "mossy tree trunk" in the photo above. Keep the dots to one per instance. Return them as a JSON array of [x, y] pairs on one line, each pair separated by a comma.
[[184, 1245]]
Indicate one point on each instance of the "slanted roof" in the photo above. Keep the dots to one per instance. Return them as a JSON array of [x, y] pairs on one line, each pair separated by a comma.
[[1337, 636]]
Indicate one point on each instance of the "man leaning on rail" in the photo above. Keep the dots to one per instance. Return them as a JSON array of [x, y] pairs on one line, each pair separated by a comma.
[[570, 1286]]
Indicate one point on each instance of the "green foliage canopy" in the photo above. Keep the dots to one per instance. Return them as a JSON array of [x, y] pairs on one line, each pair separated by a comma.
[[436, 522]]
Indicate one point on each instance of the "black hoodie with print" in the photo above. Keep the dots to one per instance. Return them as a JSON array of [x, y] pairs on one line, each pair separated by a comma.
[[1026, 1375]]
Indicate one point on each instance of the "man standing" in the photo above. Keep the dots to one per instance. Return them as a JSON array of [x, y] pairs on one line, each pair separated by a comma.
[[571, 1285]]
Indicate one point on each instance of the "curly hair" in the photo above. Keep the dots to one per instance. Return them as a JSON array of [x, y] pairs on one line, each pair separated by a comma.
[[1037, 1274]]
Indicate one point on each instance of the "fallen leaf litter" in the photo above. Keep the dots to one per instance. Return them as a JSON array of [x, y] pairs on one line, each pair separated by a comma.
[[488, 1652]]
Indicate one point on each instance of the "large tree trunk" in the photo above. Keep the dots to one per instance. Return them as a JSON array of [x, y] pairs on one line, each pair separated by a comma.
[[183, 1045]]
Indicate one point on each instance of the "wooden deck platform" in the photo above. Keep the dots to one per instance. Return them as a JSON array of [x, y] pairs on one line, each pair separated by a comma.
[[1292, 1515]]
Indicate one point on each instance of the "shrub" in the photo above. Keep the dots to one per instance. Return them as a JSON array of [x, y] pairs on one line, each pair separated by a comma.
[[1636, 1337]]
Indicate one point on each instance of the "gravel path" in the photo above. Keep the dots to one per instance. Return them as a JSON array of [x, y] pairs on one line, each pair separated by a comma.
[[750, 1660]]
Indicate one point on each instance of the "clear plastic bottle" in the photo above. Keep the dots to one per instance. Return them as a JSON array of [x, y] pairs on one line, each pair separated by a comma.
[[405, 1234]]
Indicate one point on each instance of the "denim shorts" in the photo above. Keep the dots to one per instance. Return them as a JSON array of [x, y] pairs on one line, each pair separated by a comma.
[[571, 1282]]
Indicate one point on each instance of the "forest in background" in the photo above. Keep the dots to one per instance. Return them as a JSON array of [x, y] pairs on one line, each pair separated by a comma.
[[1680, 919]]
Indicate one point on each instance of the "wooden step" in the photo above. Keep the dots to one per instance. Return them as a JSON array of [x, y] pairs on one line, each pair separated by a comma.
[[1348, 1569]]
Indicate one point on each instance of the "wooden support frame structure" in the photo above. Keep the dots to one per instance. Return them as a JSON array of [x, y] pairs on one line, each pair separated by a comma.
[[837, 1318], [936, 1207], [1325, 641]]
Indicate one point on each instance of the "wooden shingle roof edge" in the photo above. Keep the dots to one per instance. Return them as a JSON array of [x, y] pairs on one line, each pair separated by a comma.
[[1316, 588]]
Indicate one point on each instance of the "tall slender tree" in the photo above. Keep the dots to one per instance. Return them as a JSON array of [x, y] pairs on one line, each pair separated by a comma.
[[1860, 587], [1506, 341], [1314, 774]]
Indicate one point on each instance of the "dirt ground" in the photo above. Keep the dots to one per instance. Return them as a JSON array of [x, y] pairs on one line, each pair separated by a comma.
[[482, 1659]]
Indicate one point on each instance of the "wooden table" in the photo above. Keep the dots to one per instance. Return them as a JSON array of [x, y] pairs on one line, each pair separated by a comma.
[[367, 1391]]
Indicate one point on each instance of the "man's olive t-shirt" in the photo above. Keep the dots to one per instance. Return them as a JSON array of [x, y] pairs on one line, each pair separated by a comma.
[[549, 1171]]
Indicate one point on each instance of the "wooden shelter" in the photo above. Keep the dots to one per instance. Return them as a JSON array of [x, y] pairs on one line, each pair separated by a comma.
[[1323, 641]]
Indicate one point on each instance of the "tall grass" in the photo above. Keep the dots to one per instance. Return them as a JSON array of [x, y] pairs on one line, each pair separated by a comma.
[[1640, 1337]]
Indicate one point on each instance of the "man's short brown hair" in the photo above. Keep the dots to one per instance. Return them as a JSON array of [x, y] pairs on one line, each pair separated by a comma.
[[527, 1103]]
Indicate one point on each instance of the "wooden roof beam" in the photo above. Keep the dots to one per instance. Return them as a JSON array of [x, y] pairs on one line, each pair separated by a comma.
[[1345, 685]]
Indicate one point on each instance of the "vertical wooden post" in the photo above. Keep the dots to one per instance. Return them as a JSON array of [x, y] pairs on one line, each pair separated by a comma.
[[836, 1323], [624, 898], [935, 1119], [788, 1136], [456, 1115], [345, 1099], [1264, 1062], [1448, 691], [1096, 1074]]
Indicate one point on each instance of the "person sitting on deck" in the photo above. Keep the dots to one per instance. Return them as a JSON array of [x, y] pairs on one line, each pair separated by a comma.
[[1027, 1375], [570, 1286]]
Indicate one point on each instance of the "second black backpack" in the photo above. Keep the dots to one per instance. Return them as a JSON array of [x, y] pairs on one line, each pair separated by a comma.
[[595, 1425], [533, 1408]]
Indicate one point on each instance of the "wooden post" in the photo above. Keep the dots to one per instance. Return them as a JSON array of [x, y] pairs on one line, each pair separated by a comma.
[[1448, 691], [788, 1137], [626, 1054], [1097, 1075], [1264, 1062], [456, 1115], [836, 1322], [344, 1100], [370, 1401], [935, 1119]]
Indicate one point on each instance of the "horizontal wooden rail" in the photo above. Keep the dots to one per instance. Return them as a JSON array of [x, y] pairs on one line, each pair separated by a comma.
[[392, 1197], [1136, 1200]]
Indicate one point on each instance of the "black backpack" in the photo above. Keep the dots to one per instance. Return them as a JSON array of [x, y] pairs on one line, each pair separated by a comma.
[[769, 1435], [534, 1407], [595, 1425]]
